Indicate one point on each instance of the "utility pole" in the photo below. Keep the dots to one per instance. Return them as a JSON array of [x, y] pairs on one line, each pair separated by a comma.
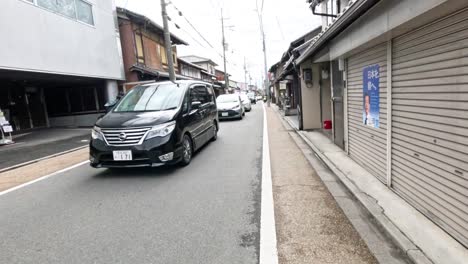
[[267, 81], [245, 75], [226, 76], [167, 42]]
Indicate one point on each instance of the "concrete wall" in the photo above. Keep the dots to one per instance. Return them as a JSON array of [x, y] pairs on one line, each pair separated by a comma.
[[383, 18], [36, 39], [311, 98]]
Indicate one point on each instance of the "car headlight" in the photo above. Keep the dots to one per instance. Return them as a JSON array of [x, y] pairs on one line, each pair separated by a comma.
[[96, 133], [237, 107], [161, 130]]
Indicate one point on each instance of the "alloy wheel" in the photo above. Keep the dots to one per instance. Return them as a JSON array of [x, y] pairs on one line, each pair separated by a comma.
[[188, 151]]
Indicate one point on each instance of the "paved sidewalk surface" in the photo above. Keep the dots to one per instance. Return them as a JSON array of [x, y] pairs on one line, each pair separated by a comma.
[[15, 177], [310, 226], [41, 143]]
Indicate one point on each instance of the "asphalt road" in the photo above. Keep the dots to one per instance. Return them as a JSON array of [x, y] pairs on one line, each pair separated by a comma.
[[207, 212]]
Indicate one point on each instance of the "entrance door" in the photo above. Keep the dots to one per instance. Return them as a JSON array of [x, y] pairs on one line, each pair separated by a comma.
[[36, 106], [338, 108]]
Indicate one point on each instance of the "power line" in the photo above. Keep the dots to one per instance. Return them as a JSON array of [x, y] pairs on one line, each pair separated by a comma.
[[202, 37], [199, 43], [191, 25]]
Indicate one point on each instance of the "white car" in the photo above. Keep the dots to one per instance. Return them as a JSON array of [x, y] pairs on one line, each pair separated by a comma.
[[246, 102], [230, 106], [259, 97]]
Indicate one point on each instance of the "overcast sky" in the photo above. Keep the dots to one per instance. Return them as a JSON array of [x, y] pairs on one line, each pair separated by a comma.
[[284, 21]]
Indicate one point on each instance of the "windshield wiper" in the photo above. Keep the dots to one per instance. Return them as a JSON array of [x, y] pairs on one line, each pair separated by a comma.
[[170, 108]]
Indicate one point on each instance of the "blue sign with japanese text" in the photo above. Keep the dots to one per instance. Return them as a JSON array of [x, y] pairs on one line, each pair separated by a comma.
[[371, 96]]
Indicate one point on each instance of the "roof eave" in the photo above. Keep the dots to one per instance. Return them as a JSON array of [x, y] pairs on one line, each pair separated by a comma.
[[130, 14], [344, 21]]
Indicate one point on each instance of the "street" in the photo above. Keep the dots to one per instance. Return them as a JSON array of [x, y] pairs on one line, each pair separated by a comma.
[[207, 212], [243, 132]]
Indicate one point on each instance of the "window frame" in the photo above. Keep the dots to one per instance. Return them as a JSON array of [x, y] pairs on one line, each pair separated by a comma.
[[142, 55], [75, 18]]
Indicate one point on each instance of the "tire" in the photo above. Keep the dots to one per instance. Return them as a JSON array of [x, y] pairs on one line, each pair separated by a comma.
[[215, 134], [188, 151]]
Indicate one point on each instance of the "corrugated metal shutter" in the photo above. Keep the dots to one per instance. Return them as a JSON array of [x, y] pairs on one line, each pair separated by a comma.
[[367, 145], [430, 121]]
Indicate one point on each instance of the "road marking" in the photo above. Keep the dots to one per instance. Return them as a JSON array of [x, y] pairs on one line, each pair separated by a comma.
[[268, 247], [42, 178]]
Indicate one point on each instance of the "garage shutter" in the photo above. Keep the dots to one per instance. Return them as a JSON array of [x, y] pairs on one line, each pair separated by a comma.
[[430, 121], [366, 145]]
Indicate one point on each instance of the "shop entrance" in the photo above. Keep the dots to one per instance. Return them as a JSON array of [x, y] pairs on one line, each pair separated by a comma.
[[338, 107]]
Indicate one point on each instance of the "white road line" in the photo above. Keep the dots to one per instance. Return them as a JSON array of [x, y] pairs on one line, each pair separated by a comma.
[[268, 247], [42, 178]]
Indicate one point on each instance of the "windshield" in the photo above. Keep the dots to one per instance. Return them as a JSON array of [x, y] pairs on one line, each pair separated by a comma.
[[151, 98], [228, 98]]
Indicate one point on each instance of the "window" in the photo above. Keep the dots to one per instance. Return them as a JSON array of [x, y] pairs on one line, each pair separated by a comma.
[[185, 104], [162, 52], [84, 12], [76, 9], [199, 93], [174, 59], [64, 7], [139, 48]]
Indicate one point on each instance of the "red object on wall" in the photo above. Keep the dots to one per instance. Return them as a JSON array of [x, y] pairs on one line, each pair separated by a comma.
[[327, 124]]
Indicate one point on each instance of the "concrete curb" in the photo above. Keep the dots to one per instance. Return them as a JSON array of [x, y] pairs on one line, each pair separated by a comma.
[[41, 159], [406, 245]]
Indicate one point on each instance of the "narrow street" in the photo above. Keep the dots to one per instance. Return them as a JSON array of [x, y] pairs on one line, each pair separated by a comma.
[[207, 212]]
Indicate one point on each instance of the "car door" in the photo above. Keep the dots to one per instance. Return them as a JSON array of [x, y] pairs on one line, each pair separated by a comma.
[[212, 114], [196, 116]]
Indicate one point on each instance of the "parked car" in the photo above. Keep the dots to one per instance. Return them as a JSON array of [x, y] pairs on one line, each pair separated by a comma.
[[155, 124], [252, 97], [246, 102], [230, 106], [259, 98]]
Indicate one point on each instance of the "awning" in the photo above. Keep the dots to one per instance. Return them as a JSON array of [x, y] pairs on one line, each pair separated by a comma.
[[207, 73], [156, 73]]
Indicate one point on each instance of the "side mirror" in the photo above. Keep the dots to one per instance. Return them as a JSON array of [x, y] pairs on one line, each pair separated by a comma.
[[196, 104], [109, 105]]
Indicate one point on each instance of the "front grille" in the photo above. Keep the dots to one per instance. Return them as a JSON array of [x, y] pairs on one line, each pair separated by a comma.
[[124, 136]]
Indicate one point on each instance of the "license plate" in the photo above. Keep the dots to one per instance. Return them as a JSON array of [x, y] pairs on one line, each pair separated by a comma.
[[224, 114], [122, 154]]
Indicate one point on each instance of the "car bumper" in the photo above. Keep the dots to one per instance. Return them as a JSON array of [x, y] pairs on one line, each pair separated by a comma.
[[229, 114], [145, 155]]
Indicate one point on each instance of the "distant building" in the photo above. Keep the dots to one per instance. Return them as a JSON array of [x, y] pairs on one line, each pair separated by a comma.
[[189, 69], [144, 53], [207, 64]]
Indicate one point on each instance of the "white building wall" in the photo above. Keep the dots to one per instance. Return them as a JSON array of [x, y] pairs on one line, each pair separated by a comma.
[[36, 39], [381, 20]]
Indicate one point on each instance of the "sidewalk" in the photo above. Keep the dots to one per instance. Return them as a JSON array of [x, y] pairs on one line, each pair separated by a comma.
[[310, 226], [42, 143]]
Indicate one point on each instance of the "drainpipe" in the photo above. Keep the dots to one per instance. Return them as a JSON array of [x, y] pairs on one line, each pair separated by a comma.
[[314, 4]]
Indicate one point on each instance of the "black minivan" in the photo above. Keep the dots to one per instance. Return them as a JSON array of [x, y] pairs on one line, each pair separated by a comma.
[[155, 124]]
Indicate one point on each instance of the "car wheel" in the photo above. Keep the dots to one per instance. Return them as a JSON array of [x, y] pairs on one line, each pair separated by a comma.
[[215, 132], [188, 151]]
